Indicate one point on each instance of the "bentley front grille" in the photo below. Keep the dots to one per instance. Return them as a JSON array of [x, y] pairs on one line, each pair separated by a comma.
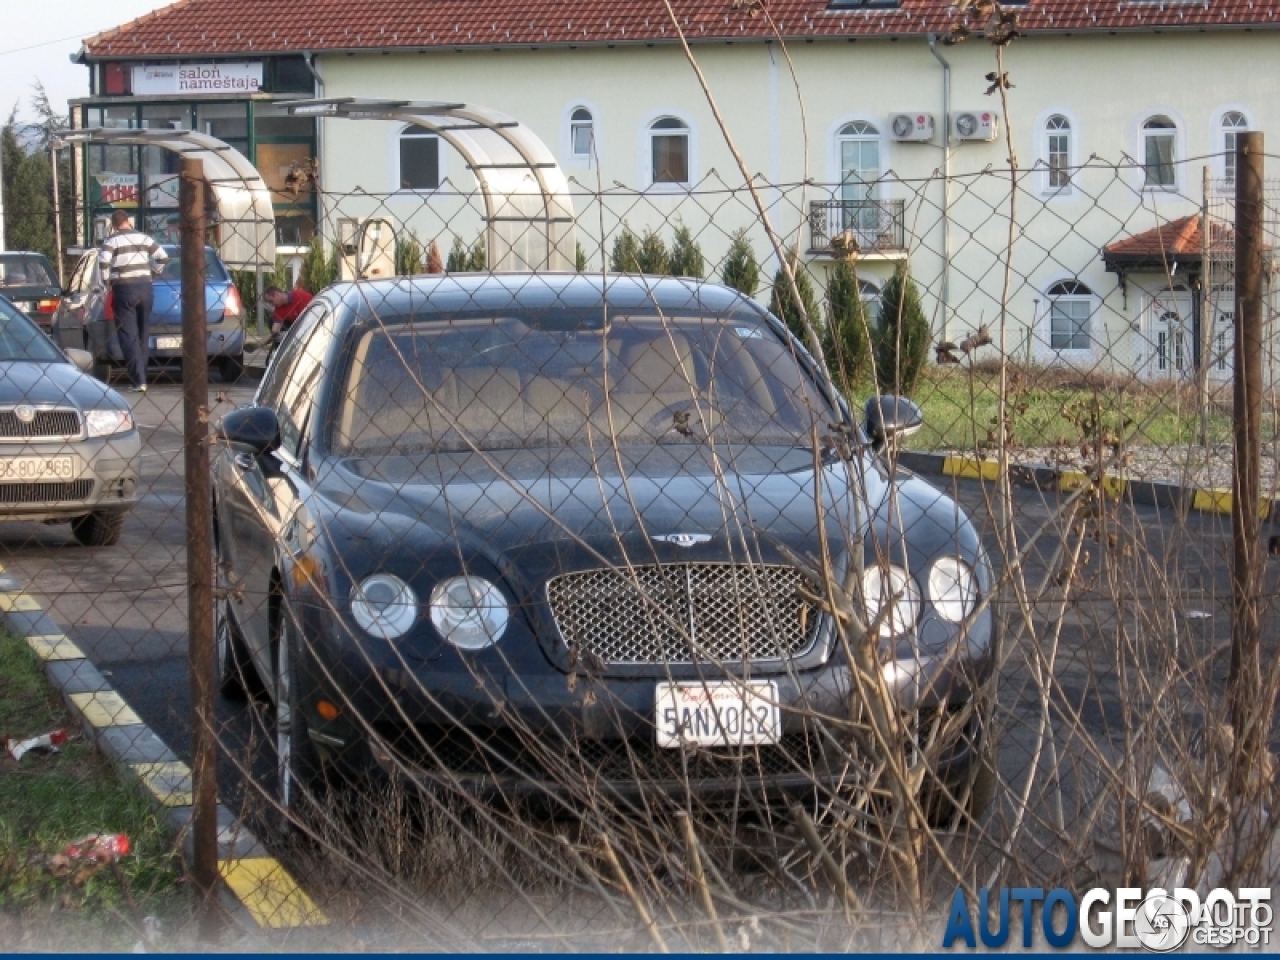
[[681, 613]]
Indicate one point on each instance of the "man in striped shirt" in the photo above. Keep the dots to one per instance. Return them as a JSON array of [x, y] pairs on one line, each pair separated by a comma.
[[128, 259]]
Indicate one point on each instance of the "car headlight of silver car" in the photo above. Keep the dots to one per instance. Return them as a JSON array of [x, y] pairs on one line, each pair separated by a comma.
[[384, 606], [953, 588], [891, 584], [470, 612], [106, 423]]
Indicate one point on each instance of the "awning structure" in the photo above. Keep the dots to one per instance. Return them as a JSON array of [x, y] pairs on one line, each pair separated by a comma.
[[245, 219], [529, 219]]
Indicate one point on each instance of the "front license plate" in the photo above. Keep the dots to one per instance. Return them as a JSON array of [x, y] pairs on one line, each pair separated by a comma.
[[717, 714], [168, 343], [39, 468]]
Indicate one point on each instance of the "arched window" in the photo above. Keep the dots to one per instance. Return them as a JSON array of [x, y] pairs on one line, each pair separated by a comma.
[[1159, 151], [1071, 309], [419, 160], [669, 147], [859, 145], [1057, 151], [1233, 124], [582, 134]]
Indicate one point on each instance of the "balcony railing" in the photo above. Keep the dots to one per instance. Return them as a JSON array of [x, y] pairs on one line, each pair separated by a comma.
[[879, 225]]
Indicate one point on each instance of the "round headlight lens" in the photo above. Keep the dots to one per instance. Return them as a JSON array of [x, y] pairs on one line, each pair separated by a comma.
[[953, 588], [470, 612], [384, 606], [885, 585]]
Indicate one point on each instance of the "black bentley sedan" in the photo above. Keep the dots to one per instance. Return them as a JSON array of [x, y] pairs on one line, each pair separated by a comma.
[[529, 532]]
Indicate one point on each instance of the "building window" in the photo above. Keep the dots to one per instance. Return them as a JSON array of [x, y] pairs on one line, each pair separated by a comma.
[[1058, 152], [669, 142], [1233, 124], [419, 160], [1159, 152], [859, 144], [582, 134], [1071, 308]]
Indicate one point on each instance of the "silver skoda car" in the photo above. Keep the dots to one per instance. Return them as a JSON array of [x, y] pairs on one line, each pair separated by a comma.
[[69, 449]]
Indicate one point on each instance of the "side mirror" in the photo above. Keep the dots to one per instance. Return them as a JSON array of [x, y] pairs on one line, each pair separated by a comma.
[[83, 359], [254, 430], [890, 418]]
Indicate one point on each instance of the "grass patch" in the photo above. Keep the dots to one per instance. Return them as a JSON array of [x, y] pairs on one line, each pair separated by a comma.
[[1047, 406], [48, 801]]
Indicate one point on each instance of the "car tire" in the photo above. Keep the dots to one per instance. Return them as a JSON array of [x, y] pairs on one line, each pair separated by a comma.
[[238, 679], [297, 764], [230, 368], [101, 528]]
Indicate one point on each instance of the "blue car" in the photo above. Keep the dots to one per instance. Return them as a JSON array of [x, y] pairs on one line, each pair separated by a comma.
[[80, 324]]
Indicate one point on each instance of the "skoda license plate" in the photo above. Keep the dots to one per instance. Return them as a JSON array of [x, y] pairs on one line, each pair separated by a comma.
[[34, 469], [717, 714], [168, 343]]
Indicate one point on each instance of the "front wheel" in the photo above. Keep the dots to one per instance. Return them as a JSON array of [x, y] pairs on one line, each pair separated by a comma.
[[101, 528], [297, 766], [230, 368]]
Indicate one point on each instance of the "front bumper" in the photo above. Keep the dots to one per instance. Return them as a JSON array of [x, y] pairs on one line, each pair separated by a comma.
[[107, 479]]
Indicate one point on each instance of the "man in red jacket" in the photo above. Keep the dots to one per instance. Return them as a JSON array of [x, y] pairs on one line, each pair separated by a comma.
[[287, 306]]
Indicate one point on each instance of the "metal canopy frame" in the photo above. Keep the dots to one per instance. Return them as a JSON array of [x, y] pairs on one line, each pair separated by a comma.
[[245, 216], [529, 218]]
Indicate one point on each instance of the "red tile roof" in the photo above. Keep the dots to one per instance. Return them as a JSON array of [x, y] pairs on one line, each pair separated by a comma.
[[256, 27], [1178, 239]]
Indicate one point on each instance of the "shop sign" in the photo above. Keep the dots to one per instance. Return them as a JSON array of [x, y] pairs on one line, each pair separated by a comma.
[[197, 78]]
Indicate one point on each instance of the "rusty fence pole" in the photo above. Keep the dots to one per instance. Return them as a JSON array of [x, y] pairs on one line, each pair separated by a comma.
[[199, 503], [1245, 678]]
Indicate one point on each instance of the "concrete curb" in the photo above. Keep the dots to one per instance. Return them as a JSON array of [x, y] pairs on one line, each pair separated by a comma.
[[257, 890], [1042, 477]]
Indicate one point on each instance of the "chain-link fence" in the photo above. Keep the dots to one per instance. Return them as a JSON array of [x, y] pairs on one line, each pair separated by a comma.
[[602, 609]]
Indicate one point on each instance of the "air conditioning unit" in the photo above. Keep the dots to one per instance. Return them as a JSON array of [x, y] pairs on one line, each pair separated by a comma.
[[978, 125], [917, 127]]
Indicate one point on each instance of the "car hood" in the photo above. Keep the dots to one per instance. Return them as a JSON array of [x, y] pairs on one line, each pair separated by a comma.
[[59, 383], [507, 505]]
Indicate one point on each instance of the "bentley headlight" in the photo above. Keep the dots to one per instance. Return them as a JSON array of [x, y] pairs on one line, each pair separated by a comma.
[[891, 585], [106, 423], [384, 606], [470, 612], [953, 588]]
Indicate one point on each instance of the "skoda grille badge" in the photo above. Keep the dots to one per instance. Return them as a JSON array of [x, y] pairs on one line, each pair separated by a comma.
[[684, 539], [25, 413]]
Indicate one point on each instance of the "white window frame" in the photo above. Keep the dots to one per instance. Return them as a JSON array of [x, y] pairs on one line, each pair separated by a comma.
[[567, 125], [1048, 133], [1224, 135], [1173, 133], [1083, 295], [415, 132], [646, 151]]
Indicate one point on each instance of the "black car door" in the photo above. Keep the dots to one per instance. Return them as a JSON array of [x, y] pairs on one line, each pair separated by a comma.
[[261, 497]]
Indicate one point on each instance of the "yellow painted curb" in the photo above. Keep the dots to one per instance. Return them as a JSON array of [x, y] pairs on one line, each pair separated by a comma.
[[106, 708], [1220, 501], [19, 603], [971, 467], [270, 894], [55, 646], [169, 782], [1071, 480]]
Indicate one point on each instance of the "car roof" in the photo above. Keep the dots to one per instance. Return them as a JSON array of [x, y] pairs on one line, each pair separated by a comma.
[[483, 292]]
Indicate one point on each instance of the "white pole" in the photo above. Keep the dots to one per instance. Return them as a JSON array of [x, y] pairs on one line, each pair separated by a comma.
[[1, 198]]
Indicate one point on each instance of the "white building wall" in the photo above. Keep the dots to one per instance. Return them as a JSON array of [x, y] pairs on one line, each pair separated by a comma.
[[1106, 85]]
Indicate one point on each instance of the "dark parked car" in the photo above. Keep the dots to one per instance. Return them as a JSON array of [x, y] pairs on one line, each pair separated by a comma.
[[439, 565], [29, 282], [80, 320], [68, 445]]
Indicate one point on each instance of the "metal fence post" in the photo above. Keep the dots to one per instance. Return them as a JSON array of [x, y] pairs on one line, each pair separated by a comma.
[[195, 395], [1245, 681]]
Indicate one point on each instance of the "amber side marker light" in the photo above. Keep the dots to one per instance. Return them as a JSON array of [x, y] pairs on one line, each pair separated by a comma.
[[327, 710]]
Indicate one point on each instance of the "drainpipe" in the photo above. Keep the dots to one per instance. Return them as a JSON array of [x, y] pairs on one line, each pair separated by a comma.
[[946, 183]]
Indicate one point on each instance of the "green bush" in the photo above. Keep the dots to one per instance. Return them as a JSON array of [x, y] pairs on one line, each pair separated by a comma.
[[740, 270], [625, 255], [246, 282], [478, 259], [319, 269], [579, 259], [686, 258], [847, 344], [653, 257], [902, 346], [409, 259], [458, 257], [783, 305]]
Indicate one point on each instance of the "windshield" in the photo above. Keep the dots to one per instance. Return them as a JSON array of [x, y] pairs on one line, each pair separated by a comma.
[[25, 270], [20, 339], [501, 383], [214, 271]]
